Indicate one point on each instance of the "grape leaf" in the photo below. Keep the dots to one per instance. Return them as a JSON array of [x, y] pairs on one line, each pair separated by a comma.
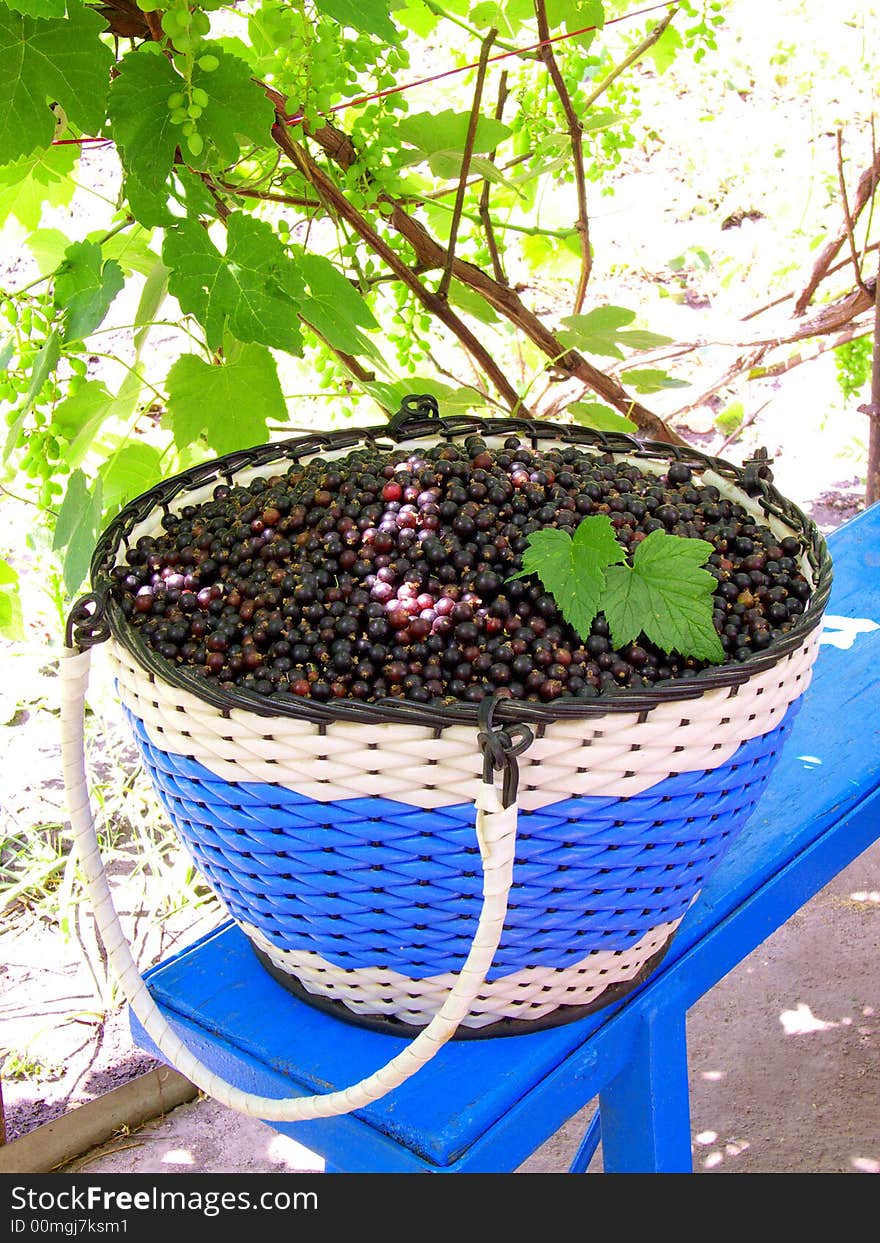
[[38, 8], [45, 362], [59, 60], [447, 164], [130, 249], [369, 16], [85, 285], [152, 296], [507, 18], [140, 119], [28, 184], [184, 190], [80, 416], [599, 118], [446, 131], [334, 307], [468, 300], [651, 380], [603, 331], [572, 568], [237, 108], [575, 14], [128, 473], [230, 403], [11, 615], [665, 596], [600, 417], [77, 528], [417, 17], [454, 400], [663, 52], [254, 290]]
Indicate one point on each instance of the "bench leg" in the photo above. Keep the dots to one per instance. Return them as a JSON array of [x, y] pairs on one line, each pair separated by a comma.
[[588, 1146], [645, 1110]]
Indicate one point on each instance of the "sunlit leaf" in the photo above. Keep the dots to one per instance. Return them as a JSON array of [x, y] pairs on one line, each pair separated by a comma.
[[573, 568], [666, 596], [600, 418], [60, 60], [77, 529], [229, 404]]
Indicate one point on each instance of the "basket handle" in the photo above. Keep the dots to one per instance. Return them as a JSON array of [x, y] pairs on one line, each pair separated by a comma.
[[496, 834]]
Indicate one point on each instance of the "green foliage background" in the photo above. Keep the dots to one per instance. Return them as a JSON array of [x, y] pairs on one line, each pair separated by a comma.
[[281, 237]]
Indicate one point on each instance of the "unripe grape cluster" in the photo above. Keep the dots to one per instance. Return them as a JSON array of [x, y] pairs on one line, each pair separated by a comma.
[[389, 575], [36, 440], [185, 28]]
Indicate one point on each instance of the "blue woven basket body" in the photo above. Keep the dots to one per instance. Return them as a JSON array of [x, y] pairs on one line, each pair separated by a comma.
[[367, 882], [368, 904], [342, 839]]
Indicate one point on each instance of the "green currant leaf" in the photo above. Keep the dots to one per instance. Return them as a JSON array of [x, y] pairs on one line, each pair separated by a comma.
[[369, 16], [77, 528], [85, 285], [230, 404], [61, 61], [254, 290], [334, 307], [41, 178], [140, 119], [237, 109], [665, 596], [573, 568]]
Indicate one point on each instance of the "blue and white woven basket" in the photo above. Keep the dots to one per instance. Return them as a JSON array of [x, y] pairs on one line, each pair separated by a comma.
[[341, 837]]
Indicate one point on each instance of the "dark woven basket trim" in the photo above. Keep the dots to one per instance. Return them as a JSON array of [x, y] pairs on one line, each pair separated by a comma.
[[355, 1013]]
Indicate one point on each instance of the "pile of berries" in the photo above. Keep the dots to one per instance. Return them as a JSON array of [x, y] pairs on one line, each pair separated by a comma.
[[388, 574]]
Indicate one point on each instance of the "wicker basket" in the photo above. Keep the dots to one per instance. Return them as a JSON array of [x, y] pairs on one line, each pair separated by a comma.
[[341, 836]]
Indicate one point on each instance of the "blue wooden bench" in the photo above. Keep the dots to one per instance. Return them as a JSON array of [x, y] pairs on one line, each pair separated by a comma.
[[486, 1105]]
